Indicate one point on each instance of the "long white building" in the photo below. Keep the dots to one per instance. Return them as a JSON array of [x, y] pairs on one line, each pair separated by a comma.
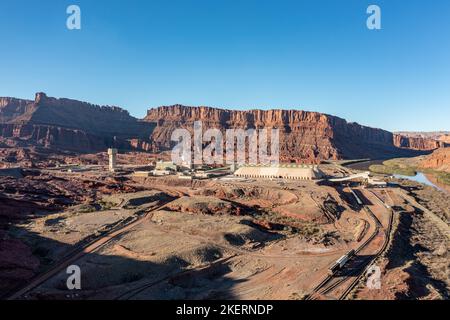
[[283, 171]]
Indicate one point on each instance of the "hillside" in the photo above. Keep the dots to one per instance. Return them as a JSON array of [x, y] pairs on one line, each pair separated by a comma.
[[439, 160]]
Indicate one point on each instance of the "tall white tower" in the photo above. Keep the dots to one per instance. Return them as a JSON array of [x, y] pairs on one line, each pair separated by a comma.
[[112, 158]]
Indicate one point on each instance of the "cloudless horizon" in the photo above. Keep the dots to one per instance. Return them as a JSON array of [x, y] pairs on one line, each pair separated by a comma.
[[315, 55]]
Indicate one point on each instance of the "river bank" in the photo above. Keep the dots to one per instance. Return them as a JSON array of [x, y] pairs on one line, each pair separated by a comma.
[[406, 168], [432, 178]]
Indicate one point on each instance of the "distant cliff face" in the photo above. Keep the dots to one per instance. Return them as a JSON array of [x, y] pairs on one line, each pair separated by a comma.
[[417, 142], [304, 136], [422, 140], [11, 108], [69, 124]]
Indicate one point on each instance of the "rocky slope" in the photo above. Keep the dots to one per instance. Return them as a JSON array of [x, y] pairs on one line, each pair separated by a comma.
[[438, 160], [68, 124], [445, 138], [303, 135]]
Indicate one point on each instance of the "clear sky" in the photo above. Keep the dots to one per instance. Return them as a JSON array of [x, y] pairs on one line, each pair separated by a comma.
[[313, 55]]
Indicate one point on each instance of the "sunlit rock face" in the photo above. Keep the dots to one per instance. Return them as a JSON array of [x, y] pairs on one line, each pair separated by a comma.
[[304, 136], [70, 124], [83, 127]]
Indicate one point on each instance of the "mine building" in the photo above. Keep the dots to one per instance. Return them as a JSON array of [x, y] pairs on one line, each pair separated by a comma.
[[281, 171], [363, 178], [166, 166], [112, 154]]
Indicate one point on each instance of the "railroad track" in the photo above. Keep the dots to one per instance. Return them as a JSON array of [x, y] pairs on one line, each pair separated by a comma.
[[325, 286], [81, 251], [388, 194], [388, 231], [355, 282], [322, 287], [379, 199]]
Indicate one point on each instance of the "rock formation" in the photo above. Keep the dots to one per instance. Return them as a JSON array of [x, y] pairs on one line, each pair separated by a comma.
[[69, 124], [417, 142], [443, 136], [438, 160], [72, 125], [309, 136]]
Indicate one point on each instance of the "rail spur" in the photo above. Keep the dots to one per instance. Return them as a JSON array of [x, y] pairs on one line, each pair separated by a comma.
[[338, 274]]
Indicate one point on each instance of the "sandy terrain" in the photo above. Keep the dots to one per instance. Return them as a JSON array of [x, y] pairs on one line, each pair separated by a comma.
[[218, 238]]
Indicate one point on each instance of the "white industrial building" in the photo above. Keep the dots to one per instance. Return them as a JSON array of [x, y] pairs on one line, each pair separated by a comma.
[[283, 171]]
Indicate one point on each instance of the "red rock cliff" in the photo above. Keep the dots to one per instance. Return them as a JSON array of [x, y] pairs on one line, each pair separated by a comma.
[[417, 143], [438, 160], [84, 127], [69, 124], [304, 135], [11, 108]]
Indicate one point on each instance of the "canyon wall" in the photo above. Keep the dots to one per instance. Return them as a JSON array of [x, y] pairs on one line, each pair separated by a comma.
[[417, 142], [69, 124], [304, 136], [10, 108], [424, 139], [83, 127]]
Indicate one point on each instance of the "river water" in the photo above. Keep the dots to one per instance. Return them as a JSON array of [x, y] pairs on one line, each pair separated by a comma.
[[419, 177]]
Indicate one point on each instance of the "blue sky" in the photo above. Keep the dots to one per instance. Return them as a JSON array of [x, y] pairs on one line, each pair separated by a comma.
[[313, 55]]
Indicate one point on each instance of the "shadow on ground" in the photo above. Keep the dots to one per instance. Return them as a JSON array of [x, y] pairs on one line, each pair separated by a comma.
[[404, 253], [116, 277]]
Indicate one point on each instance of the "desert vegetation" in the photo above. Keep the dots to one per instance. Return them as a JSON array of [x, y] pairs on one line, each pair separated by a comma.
[[410, 167], [395, 166]]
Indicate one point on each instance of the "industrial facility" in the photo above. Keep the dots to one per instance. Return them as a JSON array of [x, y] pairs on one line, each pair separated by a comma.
[[281, 171], [363, 177]]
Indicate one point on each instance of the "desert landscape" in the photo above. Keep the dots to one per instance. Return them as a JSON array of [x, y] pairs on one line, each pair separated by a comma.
[[141, 227]]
